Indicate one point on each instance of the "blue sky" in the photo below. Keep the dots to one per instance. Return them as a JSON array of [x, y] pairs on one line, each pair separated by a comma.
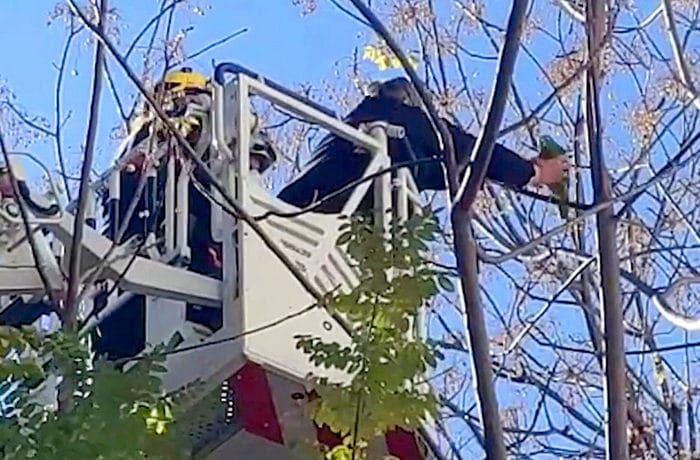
[[279, 43]]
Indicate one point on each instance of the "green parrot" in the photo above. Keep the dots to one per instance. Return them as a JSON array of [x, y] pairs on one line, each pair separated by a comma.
[[549, 148]]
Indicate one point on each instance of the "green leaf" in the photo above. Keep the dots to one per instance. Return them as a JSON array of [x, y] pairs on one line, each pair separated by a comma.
[[445, 282], [383, 359], [100, 421], [344, 238]]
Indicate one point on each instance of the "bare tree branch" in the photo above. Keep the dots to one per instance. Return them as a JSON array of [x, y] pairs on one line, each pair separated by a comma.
[[155, 20], [70, 307], [681, 63], [58, 130], [614, 333], [219, 42], [481, 155], [31, 123]]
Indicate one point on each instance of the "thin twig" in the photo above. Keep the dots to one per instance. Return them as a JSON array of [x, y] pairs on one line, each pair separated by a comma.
[[223, 340], [115, 95], [216, 43], [572, 277], [575, 75], [349, 186], [627, 198], [32, 124], [58, 130], [681, 63], [154, 20]]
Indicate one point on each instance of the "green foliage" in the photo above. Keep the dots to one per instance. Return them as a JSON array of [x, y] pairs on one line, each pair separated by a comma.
[[386, 358], [113, 414], [382, 56], [345, 450]]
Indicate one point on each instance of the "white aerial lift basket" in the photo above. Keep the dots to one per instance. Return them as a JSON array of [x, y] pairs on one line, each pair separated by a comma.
[[262, 301]]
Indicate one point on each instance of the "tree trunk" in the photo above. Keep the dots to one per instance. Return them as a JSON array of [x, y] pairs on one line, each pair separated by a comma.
[[614, 333], [479, 343]]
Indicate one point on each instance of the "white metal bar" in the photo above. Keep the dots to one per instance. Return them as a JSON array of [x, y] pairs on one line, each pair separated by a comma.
[[90, 204], [183, 213], [409, 198], [170, 206], [156, 279], [222, 159], [402, 195], [416, 200], [113, 202], [217, 218], [382, 184], [59, 251], [380, 159], [219, 141], [113, 304], [411, 183], [224, 226], [334, 125], [47, 261], [89, 294], [142, 276], [114, 182], [235, 174], [150, 197], [243, 124], [20, 281], [360, 190]]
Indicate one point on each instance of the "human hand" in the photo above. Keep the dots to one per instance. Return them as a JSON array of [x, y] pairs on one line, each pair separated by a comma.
[[550, 171]]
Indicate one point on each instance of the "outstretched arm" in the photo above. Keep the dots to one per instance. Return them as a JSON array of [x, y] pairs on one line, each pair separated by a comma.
[[505, 166], [508, 167]]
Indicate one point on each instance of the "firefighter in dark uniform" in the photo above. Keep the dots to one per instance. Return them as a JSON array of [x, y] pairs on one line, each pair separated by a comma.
[[337, 163]]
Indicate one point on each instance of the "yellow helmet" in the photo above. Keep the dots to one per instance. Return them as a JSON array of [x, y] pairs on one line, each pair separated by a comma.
[[183, 80]]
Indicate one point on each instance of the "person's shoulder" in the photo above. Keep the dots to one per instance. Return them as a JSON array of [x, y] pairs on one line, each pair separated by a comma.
[[370, 108], [371, 103]]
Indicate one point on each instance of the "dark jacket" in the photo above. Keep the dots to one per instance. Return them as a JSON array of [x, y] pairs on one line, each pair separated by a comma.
[[335, 163]]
